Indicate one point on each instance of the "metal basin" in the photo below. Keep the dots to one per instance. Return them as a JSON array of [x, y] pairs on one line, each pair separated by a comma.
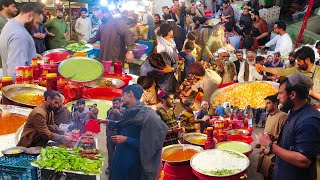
[[13, 90], [169, 149], [189, 136], [58, 55], [238, 131], [117, 83]]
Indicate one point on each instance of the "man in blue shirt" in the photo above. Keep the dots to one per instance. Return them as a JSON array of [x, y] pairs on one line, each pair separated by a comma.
[[220, 110], [299, 141]]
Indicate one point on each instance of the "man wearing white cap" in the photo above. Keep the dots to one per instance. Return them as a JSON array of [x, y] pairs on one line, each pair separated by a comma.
[[228, 72]]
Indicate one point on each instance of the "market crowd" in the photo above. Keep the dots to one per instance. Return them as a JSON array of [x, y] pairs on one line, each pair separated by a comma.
[[190, 60]]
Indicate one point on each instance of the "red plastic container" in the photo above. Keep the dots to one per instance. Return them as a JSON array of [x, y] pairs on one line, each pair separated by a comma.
[[104, 93], [205, 177], [240, 138], [178, 172], [58, 57], [92, 126]]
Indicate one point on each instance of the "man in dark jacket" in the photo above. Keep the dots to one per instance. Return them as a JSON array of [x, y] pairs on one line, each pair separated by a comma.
[[139, 143], [116, 39]]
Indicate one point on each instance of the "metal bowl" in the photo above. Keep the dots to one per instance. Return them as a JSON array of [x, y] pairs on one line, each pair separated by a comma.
[[18, 149], [8, 92], [168, 149], [90, 47], [187, 137], [33, 150], [238, 131], [83, 69], [116, 82], [213, 155], [250, 149], [53, 54]]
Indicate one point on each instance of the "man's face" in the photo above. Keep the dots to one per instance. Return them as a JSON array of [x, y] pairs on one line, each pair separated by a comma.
[[188, 51], [190, 108], [156, 19], [284, 98], [193, 3], [224, 5], [192, 10], [206, 106], [224, 56], [269, 59], [81, 107], [245, 11], [276, 29], [254, 17], [261, 62], [116, 104], [292, 58], [302, 64], [126, 97], [176, 3], [83, 14], [170, 101], [170, 34], [276, 57], [239, 56], [270, 106], [59, 14], [318, 50], [11, 10], [250, 57], [34, 21], [166, 10], [54, 104]]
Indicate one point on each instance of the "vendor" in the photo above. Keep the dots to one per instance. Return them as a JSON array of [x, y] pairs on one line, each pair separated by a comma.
[[187, 117], [40, 127], [62, 115]]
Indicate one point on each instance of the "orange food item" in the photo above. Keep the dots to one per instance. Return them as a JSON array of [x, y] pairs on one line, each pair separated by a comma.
[[200, 141], [29, 98], [180, 155], [11, 123]]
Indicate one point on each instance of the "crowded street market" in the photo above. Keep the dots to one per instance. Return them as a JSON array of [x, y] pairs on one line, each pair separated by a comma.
[[160, 90]]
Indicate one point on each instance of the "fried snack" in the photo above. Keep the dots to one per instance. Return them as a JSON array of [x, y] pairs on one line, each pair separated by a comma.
[[245, 94], [105, 83]]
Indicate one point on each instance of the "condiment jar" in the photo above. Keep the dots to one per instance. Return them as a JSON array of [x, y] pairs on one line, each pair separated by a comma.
[[53, 67], [126, 68], [20, 71], [6, 81], [210, 143], [28, 71], [34, 62], [43, 80], [52, 81], [19, 80], [26, 80], [117, 67]]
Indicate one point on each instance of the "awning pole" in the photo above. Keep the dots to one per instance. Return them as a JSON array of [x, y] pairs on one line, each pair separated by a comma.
[[305, 22], [70, 19]]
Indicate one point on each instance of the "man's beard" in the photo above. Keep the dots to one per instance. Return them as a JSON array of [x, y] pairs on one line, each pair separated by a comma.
[[29, 26], [252, 63], [169, 105], [287, 105], [11, 14], [292, 62], [303, 67], [254, 19], [59, 17], [157, 22]]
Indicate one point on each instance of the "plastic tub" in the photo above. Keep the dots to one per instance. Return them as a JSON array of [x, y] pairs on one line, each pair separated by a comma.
[[107, 65], [124, 77], [137, 53], [178, 172], [240, 138], [147, 43], [104, 93]]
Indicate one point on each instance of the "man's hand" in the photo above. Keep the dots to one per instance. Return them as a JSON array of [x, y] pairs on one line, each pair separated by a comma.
[[259, 67], [129, 57], [210, 55], [167, 69], [39, 56], [119, 139], [51, 34], [264, 139], [116, 111], [67, 139], [99, 121], [177, 129], [65, 35], [262, 47]]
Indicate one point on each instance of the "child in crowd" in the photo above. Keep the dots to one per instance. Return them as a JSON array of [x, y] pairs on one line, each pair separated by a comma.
[[191, 37], [150, 92], [188, 59]]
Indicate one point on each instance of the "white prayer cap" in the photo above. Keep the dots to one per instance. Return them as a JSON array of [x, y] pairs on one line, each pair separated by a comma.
[[204, 103], [222, 50], [182, 1]]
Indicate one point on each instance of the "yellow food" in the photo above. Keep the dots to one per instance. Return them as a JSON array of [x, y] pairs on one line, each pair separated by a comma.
[[76, 131], [11, 123], [245, 94], [15, 152], [198, 140], [29, 98], [105, 83], [180, 155]]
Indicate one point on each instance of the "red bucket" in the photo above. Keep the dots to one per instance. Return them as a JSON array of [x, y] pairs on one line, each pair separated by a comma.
[[240, 138], [104, 93], [178, 172], [233, 177], [92, 126]]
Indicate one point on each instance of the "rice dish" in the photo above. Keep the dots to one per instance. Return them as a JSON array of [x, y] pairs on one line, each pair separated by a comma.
[[219, 162]]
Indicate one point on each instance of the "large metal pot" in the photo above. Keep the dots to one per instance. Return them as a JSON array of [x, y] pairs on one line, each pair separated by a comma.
[[189, 136], [10, 91], [169, 149], [58, 55], [10, 140]]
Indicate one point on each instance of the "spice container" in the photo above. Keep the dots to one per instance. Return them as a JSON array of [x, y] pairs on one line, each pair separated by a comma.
[[52, 81], [34, 62], [6, 81], [19, 80], [26, 80], [43, 80], [117, 67], [20, 71], [28, 71], [53, 67], [210, 144]]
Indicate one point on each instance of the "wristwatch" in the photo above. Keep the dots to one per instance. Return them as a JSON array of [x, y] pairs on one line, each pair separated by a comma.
[[269, 147]]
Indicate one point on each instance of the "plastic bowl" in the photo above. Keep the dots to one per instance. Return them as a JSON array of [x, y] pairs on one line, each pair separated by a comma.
[[104, 93], [124, 77], [240, 138], [137, 53]]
